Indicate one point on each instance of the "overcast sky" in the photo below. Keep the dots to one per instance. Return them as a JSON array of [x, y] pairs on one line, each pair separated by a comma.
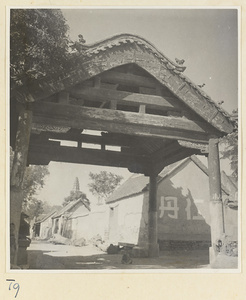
[[207, 39]]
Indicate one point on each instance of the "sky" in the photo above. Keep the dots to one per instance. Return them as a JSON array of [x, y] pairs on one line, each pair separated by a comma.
[[207, 39]]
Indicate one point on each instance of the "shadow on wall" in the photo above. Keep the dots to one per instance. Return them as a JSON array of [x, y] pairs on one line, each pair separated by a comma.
[[183, 222]]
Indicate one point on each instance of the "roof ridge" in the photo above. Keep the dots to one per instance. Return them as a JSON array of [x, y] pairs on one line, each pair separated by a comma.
[[131, 38], [127, 37]]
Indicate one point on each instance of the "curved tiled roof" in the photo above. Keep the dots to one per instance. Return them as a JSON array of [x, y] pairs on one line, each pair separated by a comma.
[[125, 38], [120, 39], [124, 49]]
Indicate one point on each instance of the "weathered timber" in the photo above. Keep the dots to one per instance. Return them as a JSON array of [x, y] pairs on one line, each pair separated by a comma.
[[17, 175], [42, 152], [63, 97], [191, 97], [21, 147], [152, 61], [203, 147], [129, 79], [123, 98], [153, 231], [142, 108], [113, 104], [216, 205], [149, 91], [165, 151], [97, 81], [118, 121], [172, 158], [105, 139]]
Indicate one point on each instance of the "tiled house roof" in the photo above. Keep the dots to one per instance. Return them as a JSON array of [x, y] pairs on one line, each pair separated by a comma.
[[68, 207], [137, 184]]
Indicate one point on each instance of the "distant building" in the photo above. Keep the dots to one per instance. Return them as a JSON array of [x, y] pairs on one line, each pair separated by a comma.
[[62, 223], [89, 224], [43, 226], [183, 208]]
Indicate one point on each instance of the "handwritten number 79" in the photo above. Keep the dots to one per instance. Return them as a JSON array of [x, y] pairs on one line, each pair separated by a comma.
[[16, 287]]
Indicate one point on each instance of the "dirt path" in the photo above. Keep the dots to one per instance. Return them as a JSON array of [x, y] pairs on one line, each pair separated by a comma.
[[47, 256]]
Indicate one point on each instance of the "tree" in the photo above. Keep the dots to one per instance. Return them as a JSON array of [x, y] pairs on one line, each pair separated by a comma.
[[34, 180], [39, 44], [229, 147], [33, 207], [103, 184]]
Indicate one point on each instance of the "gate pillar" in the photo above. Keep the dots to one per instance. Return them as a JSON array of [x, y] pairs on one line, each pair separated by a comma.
[[16, 178], [153, 229], [216, 205]]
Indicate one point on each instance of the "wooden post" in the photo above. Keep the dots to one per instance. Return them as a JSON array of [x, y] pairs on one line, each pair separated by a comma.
[[153, 230], [216, 205], [16, 178]]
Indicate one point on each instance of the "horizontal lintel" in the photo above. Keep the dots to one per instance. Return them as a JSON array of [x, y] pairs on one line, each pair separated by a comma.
[[119, 122], [123, 98], [52, 152]]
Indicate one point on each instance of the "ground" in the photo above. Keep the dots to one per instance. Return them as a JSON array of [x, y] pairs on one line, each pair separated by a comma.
[[46, 256]]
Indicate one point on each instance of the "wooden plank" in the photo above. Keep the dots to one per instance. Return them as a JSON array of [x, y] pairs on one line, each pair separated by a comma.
[[142, 109], [165, 151], [41, 152], [63, 97], [123, 98], [129, 79], [106, 138], [113, 105], [119, 121], [97, 82]]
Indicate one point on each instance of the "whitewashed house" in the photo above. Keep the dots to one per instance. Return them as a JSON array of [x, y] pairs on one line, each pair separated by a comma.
[[183, 208]]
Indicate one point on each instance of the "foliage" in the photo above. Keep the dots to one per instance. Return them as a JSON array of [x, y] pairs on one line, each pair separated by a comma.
[[74, 195], [103, 184], [229, 150], [39, 44], [33, 181], [33, 207]]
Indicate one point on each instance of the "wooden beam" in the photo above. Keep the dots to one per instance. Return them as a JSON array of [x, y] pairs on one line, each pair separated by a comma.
[[123, 98], [172, 158], [119, 121], [165, 151], [142, 109], [97, 82], [120, 140], [52, 152], [63, 97], [153, 227], [129, 79]]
